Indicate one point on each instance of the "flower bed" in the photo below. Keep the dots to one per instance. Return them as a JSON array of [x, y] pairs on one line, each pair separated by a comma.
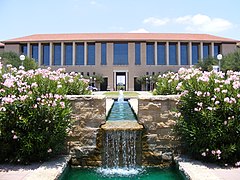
[[209, 113], [34, 112]]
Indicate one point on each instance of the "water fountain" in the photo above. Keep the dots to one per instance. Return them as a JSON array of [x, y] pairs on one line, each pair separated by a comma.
[[120, 96], [121, 139], [120, 151]]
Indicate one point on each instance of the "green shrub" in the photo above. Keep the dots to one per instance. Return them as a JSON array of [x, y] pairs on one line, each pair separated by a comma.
[[209, 115], [166, 84], [34, 112], [14, 59]]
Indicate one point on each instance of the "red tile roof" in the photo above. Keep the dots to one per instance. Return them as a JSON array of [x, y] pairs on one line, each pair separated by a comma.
[[1, 44], [120, 37]]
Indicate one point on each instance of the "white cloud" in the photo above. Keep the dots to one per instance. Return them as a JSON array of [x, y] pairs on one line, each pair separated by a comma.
[[156, 21], [93, 2], [141, 30], [204, 23]]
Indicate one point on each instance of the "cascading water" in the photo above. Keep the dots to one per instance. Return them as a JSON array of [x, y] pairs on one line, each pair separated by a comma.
[[121, 140], [121, 148]]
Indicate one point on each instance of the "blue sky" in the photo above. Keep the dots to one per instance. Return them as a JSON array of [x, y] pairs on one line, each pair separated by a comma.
[[26, 17]]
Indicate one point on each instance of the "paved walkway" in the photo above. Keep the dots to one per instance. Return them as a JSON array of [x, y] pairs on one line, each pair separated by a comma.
[[49, 170], [52, 169], [197, 170]]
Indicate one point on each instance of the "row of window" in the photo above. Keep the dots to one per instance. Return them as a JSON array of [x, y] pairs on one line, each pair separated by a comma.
[[120, 53]]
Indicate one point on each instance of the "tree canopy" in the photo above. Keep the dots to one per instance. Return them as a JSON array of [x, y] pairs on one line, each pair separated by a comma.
[[230, 61], [13, 59]]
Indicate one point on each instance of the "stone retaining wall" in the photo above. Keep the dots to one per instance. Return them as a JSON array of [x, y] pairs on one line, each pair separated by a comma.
[[156, 114], [84, 141]]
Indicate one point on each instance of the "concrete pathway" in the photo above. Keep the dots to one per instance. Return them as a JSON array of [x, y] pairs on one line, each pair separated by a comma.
[[197, 170], [49, 170]]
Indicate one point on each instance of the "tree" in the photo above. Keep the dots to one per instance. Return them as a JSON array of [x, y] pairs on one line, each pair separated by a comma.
[[13, 59], [207, 64], [231, 61]]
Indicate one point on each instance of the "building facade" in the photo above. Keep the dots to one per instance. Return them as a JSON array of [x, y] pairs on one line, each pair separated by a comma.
[[1, 47], [120, 57]]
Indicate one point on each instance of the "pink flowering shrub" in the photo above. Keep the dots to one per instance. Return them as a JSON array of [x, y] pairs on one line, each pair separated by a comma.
[[166, 84], [209, 114], [34, 112]]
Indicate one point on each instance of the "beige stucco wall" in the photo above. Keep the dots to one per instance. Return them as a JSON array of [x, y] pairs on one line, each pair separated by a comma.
[[228, 48], [12, 47]]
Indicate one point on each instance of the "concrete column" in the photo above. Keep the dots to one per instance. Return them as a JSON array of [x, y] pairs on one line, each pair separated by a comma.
[[85, 53], [29, 50], [51, 53], [110, 54], [212, 49], [127, 81], [131, 54], [167, 53], [190, 53], [155, 52], [40, 54], [114, 81], [74, 53], [179, 53], [201, 51], [131, 81], [62, 53], [143, 54], [97, 54]]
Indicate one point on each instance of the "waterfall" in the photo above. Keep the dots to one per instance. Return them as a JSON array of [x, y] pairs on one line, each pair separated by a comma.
[[122, 149], [121, 140]]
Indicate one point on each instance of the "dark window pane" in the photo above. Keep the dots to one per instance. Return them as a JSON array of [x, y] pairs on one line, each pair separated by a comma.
[[91, 54], [120, 54], [24, 49], [103, 54], [80, 54], [137, 54], [184, 54], [150, 54], [46, 51], [195, 53], [35, 52], [205, 50], [57, 54], [172, 54], [161, 52], [68, 54], [216, 49]]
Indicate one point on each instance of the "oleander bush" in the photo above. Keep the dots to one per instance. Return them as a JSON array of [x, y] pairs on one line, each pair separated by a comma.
[[209, 114], [34, 112], [166, 84]]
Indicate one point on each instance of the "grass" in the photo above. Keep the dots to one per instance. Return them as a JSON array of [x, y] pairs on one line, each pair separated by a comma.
[[125, 94]]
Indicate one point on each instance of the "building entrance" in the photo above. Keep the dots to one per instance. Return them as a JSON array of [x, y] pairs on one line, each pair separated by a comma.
[[121, 81], [104, 84]]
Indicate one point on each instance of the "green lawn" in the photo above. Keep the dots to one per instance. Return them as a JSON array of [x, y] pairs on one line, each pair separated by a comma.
[[125, 93]]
